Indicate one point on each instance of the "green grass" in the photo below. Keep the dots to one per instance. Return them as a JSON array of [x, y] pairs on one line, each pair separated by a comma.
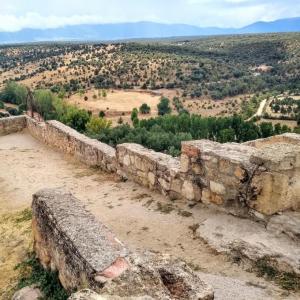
[[31, 272], [24, 215], [287, 280]]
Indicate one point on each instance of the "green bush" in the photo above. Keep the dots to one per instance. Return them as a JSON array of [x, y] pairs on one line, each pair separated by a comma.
[[14, 93], [145, 109], [164, 106]]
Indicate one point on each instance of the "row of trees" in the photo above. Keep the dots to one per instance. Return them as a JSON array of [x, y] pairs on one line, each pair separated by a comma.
[[165, 133]]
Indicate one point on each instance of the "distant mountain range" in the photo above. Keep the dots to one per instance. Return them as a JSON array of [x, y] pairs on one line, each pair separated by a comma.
[[123, 31]]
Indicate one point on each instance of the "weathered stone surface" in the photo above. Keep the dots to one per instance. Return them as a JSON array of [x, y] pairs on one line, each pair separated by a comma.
[[159, 277], [250, 240], [69, 239], [149, 168], [279, 157], [287, 223], [12, 124], [28, 293], [90, 295], [289, 138]]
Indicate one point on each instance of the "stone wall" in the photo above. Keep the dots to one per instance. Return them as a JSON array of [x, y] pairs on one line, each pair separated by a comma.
[[86, 254], [12, 124], [149, 168], [259, 177], [69, 141]]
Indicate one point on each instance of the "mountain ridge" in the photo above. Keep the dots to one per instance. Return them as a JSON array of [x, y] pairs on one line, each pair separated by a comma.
[[143, 29]]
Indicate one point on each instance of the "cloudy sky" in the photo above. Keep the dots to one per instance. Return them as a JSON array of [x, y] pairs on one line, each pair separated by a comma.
[[18, 14]]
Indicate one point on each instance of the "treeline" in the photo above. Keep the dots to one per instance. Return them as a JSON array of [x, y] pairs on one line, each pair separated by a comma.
[[164, 133], [47, 104]]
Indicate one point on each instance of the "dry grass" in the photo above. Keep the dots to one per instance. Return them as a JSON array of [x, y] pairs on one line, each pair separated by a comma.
[[15, 243]]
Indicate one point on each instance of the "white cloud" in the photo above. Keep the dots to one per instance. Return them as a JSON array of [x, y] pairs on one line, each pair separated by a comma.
[[18, 14]]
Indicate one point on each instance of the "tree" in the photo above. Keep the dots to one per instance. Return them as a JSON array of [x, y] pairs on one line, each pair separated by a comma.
[[14, 93], [76, 118], [134, 114], [96, 125], [266, 129], [101, 114], [145, 108], [164, 106], [43, 104]]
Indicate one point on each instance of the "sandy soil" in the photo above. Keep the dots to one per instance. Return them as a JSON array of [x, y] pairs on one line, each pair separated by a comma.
[[116, 102], [141, 218]]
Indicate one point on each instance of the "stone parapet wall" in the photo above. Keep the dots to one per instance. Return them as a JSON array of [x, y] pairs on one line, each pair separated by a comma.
[[149, 168], [260, 177], [69, 141], [12, 124], [288, 138], [220, 171], [86, 254]]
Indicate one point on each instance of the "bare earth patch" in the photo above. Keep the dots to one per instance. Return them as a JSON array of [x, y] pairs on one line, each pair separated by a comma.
[[117, 103]]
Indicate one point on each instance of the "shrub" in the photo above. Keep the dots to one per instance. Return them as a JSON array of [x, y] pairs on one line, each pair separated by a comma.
[[101, 114], [33, 273], [14, 93], [145, 108], [97, 125], [164, 106]]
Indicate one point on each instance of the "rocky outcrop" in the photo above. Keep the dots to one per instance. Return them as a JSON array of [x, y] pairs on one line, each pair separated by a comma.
[[69, 239], [12, 124], [246, 239], [28, 293], [287, 223]]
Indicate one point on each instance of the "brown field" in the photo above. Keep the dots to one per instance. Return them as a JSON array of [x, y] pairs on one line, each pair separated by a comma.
[[117, 103]]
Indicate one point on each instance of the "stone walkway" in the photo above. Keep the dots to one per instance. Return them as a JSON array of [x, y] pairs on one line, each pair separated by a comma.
[[139, 217]]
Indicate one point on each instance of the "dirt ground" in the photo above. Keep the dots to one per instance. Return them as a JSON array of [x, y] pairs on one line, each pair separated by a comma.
[[141, 218], [117, 103]]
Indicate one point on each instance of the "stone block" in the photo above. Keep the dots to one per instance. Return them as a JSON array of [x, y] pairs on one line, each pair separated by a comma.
[[184, 163], [272, 191], [217, 188]]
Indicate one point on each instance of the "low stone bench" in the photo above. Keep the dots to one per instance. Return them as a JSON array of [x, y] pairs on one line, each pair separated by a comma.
[[69, 239]]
